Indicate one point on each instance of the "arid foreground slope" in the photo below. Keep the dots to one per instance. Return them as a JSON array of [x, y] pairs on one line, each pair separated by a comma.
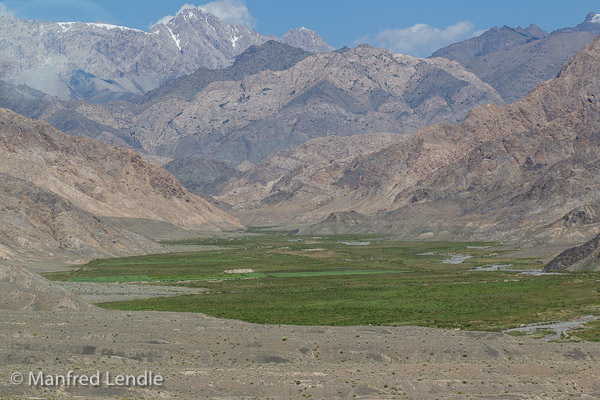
[[202, 357]]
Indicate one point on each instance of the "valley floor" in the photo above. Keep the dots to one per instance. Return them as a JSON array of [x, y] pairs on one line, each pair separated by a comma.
[[203, 357]]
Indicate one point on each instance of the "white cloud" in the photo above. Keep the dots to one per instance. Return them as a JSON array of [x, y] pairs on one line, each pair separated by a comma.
[[5, 11], [421, 39], [164, 20], [167, 18], [233, 12]]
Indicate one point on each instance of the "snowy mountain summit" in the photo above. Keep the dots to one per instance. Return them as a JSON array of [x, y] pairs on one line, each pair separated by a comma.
[[102, 62]]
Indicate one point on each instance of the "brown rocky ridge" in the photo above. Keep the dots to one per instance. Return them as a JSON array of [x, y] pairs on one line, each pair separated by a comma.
[[38, 227], [580, 258], [517, 172]]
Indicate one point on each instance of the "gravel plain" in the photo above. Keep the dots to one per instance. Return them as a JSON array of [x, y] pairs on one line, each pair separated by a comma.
[[202, 357]]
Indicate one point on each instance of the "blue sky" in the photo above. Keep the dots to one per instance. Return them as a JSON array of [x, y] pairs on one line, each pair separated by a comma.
[[411, 27]]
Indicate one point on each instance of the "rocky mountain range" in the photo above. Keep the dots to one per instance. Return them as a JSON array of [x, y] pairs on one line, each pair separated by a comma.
[[286, 136], [338, 93], [273, 97], [102, 62], [514, 60], [525, 171]]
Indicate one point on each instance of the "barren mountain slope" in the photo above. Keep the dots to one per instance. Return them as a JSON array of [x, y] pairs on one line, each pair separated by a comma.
[[525, 170], [98, 178], [513, 61], [37, 225]]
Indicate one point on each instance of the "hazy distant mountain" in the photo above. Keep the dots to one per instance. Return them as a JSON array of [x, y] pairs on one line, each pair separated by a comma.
[[513, 61], [295, 181], [306, 39], [591, 23], [106, 123], [201, 176], [101, 62]]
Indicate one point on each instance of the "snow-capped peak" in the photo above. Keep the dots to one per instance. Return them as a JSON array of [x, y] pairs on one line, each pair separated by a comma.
[[65, 26], [596, 19]]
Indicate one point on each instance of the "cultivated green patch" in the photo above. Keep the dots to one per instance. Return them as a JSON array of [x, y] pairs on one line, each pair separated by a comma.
[[342, 280]]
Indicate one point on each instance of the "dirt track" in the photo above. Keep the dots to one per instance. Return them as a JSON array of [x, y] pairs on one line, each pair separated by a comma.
[[98, 292]]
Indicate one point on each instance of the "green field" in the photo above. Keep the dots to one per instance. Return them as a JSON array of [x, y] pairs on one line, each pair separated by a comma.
[[323, 281]]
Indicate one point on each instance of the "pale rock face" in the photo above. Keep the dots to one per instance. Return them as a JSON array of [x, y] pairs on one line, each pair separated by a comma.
[[306, 39]]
